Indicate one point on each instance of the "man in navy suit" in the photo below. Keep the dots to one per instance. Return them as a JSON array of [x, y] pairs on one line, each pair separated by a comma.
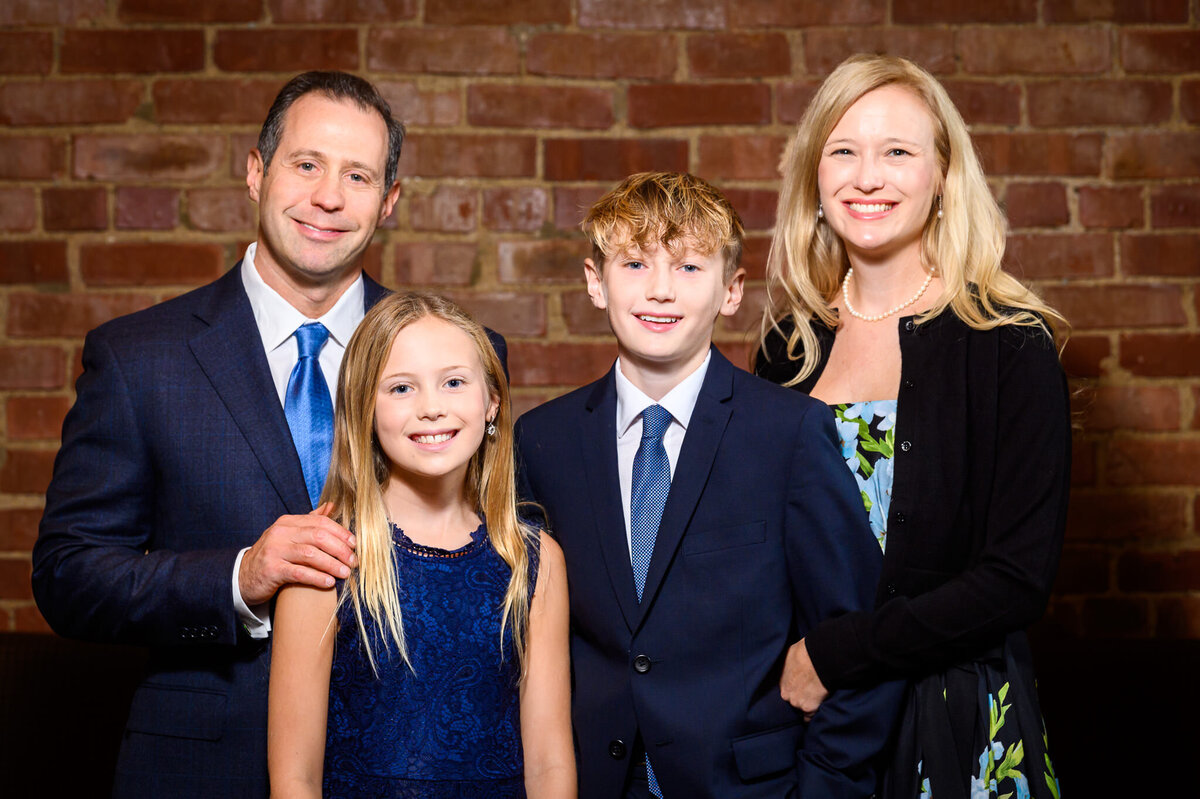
[[179, 504], [707, 520]]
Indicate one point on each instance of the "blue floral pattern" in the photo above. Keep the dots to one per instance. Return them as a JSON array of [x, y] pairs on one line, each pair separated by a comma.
[[867, 434]]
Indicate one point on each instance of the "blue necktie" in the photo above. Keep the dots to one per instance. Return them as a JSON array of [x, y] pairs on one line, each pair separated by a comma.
[[651, 484], [309, 410]]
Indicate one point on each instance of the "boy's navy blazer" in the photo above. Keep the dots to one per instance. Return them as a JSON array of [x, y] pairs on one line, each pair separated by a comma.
[[763, 535], [175, 456]]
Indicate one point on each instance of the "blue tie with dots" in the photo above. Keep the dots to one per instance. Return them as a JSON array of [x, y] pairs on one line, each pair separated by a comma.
[[309, 410], [651, 484]]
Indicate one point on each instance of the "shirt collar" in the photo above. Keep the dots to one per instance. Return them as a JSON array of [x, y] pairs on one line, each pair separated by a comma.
[[679, 401], [277, 319]]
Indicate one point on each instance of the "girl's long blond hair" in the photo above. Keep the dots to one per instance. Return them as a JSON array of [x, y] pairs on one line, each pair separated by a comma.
[[807, 261], [359, 470]]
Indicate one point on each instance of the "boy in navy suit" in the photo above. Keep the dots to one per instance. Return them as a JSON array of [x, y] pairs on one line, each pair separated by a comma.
[[708, 521]]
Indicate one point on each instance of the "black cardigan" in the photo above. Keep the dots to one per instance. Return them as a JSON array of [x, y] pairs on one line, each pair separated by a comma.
[[979, 499]]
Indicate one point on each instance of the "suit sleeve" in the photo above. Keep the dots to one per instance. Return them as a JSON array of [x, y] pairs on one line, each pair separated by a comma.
[[98, 570], [835, 563]]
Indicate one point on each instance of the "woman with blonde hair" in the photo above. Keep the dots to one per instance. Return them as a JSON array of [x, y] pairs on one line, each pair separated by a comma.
[[889, 303], [439, 668]]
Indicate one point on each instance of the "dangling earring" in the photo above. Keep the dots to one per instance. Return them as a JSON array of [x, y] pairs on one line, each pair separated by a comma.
[[820, 210], [940, 214], [491, 429]]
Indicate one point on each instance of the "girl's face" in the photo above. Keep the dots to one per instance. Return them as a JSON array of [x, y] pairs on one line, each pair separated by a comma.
[[432, 404]]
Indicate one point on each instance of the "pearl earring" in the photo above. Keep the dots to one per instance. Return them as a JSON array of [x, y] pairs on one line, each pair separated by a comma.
[[820, 211], [940, 214]]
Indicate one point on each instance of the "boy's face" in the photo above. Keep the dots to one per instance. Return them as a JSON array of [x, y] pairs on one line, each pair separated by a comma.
[[662, 305]]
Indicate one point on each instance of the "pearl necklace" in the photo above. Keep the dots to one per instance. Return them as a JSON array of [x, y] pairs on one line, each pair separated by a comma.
[[885, 314]]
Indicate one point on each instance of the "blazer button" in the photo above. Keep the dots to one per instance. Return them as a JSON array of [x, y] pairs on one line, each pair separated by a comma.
[[910, 325], [905, 446], [616, 749], [641, 664]]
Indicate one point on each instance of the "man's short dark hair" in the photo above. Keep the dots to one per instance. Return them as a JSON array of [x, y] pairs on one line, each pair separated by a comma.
[[335, 86]]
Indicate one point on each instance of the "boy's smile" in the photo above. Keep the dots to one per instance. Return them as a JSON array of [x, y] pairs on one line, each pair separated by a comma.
[[662, 305]]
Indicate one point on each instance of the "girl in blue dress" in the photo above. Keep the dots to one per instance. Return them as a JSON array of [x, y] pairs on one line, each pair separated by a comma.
[[439, 668]]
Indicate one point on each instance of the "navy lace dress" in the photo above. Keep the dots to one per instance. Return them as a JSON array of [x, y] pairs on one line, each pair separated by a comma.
[[448, 727]]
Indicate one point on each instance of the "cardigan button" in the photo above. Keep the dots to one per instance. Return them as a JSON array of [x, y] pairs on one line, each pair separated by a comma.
[[905, 446], [891, 589], [908, 383], [910, 325], [900, 518]]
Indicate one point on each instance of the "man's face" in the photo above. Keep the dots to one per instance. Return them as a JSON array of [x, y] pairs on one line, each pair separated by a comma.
[[323, 194]]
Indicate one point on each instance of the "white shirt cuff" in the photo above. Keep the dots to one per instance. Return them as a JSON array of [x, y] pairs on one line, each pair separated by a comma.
[[256, 621]]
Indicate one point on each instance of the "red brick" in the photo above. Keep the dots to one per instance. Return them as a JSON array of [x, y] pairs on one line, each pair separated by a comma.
[[1195, 425], [792, 98], [27, 619], [1130, 408], [146, 208], [1036, 205], [1039, 153], [508, 312], [583, 318], [18, 209], [986, 102], [1160, 51], [1084, 355], [490, 12], [1159, 571], [191, 11], [33, 262], [600, 55], [1117, 515], [756, 207], [612, 159], [145, 157], [493, 105], [31, 157], [340, 11], [1119, 306], [1161, 354], [571, 204], [754, 256], [1036, 51], [1111, 206], [738, 55], [1155, 461], [25, 471], [51, 12], [1083, 571], [69, 102], [1116, 617], [669, 105], [35, 418], [240, 145], [1038, 256], [19, 528], [744, 324], [1160, 254], [142, 263], [771, 13], [521, 208], [743, 157], [1178, 617], [26, 53], [1153, 155], [143, 50], [415, 106], [1083, 462], [479, 51], [932, 48], [438, 155], [15, 578], [211, 102], [286, 50], [31, 367], [1175, 206], [1099, 102], [220, 209], [658, 15], [558, 363], [435, 263], [1189, 100], [954, 12], [1116, 10], [75, 209], [549, 261], [448, 209]]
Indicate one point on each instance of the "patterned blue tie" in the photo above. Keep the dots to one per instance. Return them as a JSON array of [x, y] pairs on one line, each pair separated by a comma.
[[309, 410], [651, 484]]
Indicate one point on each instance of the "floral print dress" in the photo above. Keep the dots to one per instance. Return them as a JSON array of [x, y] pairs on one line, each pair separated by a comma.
[[982, 715]]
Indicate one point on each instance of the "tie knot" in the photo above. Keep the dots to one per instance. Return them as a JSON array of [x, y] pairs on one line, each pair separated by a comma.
[[655, 421], [311, 337]]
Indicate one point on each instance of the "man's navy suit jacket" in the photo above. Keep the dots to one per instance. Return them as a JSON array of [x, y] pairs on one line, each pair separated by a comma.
[[763, 535], [175, 456]]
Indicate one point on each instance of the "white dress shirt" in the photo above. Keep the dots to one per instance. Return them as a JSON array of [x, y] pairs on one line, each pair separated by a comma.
[[631, 402], [277, 321]]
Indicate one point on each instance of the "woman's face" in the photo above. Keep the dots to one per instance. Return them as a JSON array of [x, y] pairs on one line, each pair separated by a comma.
[[878, 175]]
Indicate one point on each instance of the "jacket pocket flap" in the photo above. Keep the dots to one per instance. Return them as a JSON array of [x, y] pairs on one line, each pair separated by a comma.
[[715, 539], [178, 712], [767, 752]]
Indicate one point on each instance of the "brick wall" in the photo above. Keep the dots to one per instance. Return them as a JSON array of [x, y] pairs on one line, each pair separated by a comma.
[[126, 125]]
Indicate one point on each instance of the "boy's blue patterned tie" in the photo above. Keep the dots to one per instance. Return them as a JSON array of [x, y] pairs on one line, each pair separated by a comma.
[[651, 484], [309, 410]]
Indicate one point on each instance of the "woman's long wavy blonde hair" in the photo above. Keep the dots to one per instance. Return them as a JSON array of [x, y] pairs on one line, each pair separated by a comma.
[[359, 470], [807, 260]]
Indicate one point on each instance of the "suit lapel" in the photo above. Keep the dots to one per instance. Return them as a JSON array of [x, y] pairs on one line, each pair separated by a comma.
[[598, 445], [372, 292], [230, 352], [700, 445]]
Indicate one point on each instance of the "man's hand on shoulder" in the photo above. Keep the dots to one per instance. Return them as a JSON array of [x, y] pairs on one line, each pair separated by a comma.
[[311, 550]]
